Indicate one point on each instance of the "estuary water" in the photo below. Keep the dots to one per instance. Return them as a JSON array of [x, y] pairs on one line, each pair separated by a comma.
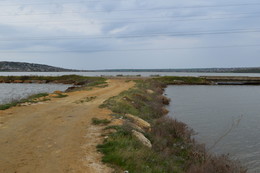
[[144, 74], [10, 92], [226, 118]]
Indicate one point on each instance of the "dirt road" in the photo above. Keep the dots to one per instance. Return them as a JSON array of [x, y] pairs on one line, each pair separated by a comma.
[[56, 136]]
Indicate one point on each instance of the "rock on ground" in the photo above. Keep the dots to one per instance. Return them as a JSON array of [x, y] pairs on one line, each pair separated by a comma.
[[142, 138], [139, 122]]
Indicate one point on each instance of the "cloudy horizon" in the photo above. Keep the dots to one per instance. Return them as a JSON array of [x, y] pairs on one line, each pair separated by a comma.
[[131, 34]]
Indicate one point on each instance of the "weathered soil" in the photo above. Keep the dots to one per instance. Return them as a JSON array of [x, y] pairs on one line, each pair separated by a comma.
[[56, 136]]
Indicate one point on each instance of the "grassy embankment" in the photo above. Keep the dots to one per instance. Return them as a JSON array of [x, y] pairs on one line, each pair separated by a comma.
[[173, 148], [65, 79], [82, 81], [175, 80]]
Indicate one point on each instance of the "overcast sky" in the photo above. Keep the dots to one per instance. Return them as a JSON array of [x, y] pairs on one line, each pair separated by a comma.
[[109, 34]]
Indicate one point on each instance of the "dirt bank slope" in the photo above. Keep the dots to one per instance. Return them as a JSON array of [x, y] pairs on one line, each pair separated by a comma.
[[56, 136]]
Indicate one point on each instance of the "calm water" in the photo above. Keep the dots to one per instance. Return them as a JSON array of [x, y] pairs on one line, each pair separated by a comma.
[[125, 73], [212, 110], [9, 92]]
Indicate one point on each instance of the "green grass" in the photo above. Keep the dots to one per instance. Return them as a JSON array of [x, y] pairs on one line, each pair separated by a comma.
[[45, 99], [36, 96], [97, 83], [59, 95], [7, 106], [97, 121], [94, 84], [30, 99], [137, 101], [126, 152]]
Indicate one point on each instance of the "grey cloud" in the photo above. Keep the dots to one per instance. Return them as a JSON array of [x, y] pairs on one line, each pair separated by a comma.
[[110, 21]]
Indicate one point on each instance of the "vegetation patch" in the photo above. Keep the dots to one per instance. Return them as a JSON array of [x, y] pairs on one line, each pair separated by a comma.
[[86, 99], [88, 86], [183, 80], [100, 83], [65, 79], [137, 101], [7, 106], [125, 152], [173, 148], [31, 99], [97, 121], [102, 86], [60, 95], [36, 96]]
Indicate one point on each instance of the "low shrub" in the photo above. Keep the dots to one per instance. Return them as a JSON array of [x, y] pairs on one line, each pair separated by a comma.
[[97, 121], [217, 164]]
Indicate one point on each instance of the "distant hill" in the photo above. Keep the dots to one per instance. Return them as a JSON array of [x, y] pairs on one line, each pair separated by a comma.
[[6, 66], [248, 70], [194, 70]]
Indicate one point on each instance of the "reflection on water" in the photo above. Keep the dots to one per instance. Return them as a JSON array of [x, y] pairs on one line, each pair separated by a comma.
[[10, 92], [212, 110]]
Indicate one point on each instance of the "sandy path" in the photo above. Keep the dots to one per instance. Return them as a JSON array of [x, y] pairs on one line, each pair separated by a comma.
[[56, 136]]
